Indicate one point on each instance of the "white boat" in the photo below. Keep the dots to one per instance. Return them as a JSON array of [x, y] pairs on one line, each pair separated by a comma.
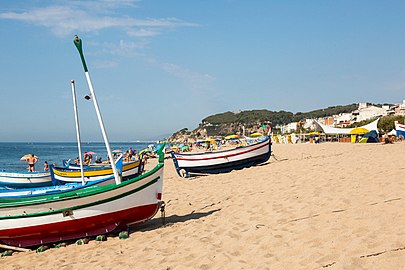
[[222, 161], [9, 179]]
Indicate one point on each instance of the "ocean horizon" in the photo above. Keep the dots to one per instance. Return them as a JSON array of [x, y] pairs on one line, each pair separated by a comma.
[[56, 152]]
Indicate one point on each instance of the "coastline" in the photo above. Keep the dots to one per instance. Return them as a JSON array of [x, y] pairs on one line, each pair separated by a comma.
[[312, 206]]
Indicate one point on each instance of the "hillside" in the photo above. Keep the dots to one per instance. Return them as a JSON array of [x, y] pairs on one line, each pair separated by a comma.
[[233, 123]]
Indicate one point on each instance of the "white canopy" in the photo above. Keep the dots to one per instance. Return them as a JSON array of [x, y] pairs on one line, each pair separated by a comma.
[[392, 132], [333, 130]]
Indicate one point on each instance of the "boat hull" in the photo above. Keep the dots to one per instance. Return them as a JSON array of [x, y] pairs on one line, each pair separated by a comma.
[[222, 161], [25, 179], [85, 212]]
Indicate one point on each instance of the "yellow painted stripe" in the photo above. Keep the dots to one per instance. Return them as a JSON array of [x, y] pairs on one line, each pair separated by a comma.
[[90, 173]]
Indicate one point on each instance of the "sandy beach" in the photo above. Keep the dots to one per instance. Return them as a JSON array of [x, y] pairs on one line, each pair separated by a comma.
[[312, 206]]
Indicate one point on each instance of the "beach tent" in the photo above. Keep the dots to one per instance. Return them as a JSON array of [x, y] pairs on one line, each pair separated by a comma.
[[370, 137]]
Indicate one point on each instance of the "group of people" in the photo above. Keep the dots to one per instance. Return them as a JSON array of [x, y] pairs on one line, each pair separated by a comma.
[[128, 156], [88, 158], [32, 160]]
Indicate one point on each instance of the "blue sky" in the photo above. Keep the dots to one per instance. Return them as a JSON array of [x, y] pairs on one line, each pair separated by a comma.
[[160, 66]]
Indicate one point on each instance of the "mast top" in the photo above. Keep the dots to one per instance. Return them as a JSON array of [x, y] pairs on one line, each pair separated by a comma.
[[78, 43]]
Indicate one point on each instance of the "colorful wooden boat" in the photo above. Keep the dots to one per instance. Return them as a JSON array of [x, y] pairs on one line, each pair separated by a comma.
[[9, 179], [94, 173], [93, 210], [189, 164], [89, 211], [46, 190]]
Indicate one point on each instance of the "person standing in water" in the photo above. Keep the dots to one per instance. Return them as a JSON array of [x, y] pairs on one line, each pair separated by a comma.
[[31, 162], [46, 166]]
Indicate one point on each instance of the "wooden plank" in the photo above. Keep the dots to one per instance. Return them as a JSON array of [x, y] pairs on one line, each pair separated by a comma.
[[14, 248]]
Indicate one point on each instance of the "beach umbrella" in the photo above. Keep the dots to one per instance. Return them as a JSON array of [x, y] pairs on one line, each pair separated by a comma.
[[229, 137], [257, 134], [117, 151], [358, 130], [313, 133], [24, 158], [210, 141]]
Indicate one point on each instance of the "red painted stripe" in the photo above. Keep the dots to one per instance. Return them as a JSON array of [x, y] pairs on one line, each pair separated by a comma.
[[76, 228], [224, 156]]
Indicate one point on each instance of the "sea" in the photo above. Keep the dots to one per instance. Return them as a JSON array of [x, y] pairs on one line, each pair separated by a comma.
[[56, 152]]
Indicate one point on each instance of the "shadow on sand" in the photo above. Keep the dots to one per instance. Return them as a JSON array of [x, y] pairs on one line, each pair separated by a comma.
[[170, 220]]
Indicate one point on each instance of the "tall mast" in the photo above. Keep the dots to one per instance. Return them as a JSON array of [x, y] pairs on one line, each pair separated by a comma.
[[77, 131], [78, 43]]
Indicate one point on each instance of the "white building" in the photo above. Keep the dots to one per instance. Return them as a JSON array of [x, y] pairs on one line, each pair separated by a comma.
[[400, 109], [365, 112], [343, 117], [289, 128]]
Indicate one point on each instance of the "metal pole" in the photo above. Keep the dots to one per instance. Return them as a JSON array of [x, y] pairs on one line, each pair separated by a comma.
[[100, 120], [77, 130]]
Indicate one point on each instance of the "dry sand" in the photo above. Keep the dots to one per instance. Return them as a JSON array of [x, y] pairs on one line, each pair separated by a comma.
[[326, 206]]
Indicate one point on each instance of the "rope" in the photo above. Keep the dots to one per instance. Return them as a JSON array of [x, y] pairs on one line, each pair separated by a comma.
[[274, 156]]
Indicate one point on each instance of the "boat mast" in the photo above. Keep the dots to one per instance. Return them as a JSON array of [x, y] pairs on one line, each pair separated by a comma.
[[77, 131], [78, 43]]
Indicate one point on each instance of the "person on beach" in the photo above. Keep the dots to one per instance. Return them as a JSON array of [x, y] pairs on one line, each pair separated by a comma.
[[130, 154], [31, 162], [87, 159], [46, 166]]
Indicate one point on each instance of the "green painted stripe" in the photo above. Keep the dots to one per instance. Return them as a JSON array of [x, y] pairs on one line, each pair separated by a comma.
[[88, 191]]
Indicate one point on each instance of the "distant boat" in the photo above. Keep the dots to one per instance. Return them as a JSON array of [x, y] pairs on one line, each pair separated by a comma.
[[63, 175], [189, 164], [9, 179], [47, 190]]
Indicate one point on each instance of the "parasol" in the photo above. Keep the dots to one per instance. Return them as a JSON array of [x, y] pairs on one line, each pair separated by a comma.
[[358, 130], [24, 158], [229, 137], [313, 133], [257, 134]]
